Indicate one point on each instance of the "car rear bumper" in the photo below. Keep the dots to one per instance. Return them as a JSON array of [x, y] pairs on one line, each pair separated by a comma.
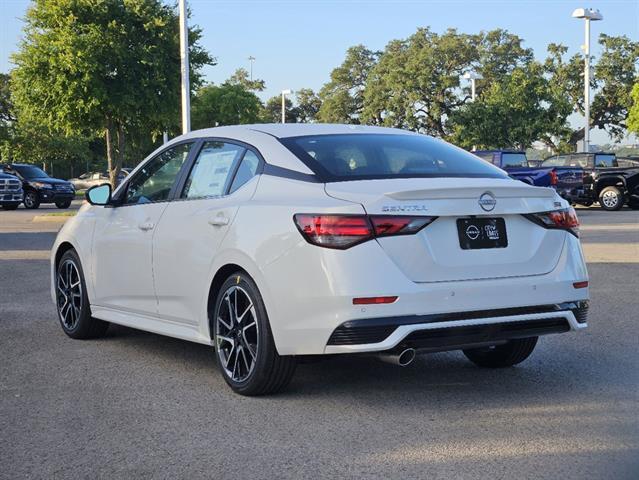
[[453, 331], [309, 294]]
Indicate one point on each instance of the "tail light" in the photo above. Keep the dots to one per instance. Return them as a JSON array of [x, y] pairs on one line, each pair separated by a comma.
[[553, 177], [565, 219], [345, 231]]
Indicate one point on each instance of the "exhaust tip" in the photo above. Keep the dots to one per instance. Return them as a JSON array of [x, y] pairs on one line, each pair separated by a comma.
[[406, 357]]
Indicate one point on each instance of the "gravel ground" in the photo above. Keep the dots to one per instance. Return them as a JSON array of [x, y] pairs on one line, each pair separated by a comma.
[[137, 405]]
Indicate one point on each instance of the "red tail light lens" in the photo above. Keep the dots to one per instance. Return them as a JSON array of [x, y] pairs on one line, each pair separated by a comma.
[[344, 231], [565, 219], [385, 225], [553, 177]]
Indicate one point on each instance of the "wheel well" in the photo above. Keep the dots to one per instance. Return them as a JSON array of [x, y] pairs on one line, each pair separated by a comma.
[[62, 249], [611, 182], [222, 274]]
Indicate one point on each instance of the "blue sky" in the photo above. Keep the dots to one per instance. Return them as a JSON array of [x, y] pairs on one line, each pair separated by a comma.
[[296, 43]]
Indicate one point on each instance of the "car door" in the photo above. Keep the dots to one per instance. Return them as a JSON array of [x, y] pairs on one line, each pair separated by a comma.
[[122, 242], [192, 228]]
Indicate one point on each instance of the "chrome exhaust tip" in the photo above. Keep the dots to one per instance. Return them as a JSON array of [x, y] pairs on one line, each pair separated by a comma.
[[401, 358]]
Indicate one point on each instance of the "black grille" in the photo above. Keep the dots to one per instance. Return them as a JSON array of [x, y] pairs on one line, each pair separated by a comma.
[[344, 335], [468, 335]]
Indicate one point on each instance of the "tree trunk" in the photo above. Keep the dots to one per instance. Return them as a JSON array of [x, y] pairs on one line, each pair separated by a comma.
[[111, 161], [115, 173]]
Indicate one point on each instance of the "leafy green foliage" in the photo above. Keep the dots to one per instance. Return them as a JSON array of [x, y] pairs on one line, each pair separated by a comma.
[[110, 66], [342, 99], [226, 104], [633, 116], [308, 105], [272, 111], [242, 78]]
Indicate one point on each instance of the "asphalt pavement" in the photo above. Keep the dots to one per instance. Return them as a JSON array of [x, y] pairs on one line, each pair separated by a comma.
[[139, 405]]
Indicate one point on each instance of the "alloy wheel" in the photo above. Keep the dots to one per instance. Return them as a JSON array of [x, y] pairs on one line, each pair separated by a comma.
[[237, 333], [29, 200], [69, 293], [610, 199]]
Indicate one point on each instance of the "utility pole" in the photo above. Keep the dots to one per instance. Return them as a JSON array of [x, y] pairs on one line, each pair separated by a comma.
[[587, 14], [184, 62]]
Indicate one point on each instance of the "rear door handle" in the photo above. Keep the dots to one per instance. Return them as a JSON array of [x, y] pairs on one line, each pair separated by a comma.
[[146, 226], [219, 221]]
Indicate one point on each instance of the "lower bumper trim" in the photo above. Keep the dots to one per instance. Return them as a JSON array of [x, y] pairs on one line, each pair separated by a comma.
[[376, 330]]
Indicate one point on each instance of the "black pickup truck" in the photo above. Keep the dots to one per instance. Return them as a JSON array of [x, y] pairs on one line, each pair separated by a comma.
[[40, 187], [605, 179]]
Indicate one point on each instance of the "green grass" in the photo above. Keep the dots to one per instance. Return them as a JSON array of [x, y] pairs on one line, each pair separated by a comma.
[[79, 194]]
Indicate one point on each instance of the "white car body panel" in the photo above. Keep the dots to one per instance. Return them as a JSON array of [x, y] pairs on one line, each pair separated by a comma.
[[159, 279]]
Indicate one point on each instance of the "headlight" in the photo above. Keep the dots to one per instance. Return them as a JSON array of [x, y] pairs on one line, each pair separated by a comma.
[[40, 185]]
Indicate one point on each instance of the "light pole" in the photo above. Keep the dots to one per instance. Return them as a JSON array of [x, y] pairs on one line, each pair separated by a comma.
[[588, 14], [251, 59], [284, 93], [472, 76], [184, 70]]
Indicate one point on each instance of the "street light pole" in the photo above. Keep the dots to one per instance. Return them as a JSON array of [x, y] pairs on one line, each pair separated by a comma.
[[472, 76], [284, 93], [184, 70], [587, 14], [251, 59]]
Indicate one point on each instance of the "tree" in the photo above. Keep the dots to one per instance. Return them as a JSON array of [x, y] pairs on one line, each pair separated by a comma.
[[342, 98], [308, 105], [272, 111], [615, 73], [241, 77], [110, 66], [511, 113], [6, 107], [415, 84], [226, 104], [633, 116]]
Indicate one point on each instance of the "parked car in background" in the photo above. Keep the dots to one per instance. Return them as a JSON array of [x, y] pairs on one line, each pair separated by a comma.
[[91, 179], [11, 193], [41, 188], [597, 177]]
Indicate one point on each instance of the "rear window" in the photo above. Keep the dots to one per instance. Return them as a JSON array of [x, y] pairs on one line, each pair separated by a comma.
[[605, 160], [514, 160], [370, 156]]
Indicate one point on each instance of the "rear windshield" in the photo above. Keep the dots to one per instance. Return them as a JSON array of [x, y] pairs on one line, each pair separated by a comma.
[[514, 160], [370, 156]]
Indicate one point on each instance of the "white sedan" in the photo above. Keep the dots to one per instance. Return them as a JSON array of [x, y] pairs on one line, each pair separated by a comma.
[[269, 242]]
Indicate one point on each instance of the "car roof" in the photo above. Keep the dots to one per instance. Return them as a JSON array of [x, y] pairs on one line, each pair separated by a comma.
[[286, 130]]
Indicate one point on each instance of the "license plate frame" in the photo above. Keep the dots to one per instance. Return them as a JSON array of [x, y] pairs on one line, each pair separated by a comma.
[[479, 233]]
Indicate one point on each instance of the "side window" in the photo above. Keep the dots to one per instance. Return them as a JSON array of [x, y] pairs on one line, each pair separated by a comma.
[[154, 181], [212, 170], [246, 171], [605, 161]]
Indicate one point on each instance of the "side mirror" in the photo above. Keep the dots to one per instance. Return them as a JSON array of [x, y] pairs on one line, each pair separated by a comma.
[[99, 194]]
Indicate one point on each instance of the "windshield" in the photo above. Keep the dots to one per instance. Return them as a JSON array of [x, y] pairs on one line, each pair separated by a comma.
[[371, 156], [30, 171], [514, 160]]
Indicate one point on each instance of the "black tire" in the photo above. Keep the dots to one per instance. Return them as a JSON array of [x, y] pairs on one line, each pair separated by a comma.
[[75, 319], [269, 372], [10, 206], [64, 204], [506, 355], [611, 199], [31, 199]]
